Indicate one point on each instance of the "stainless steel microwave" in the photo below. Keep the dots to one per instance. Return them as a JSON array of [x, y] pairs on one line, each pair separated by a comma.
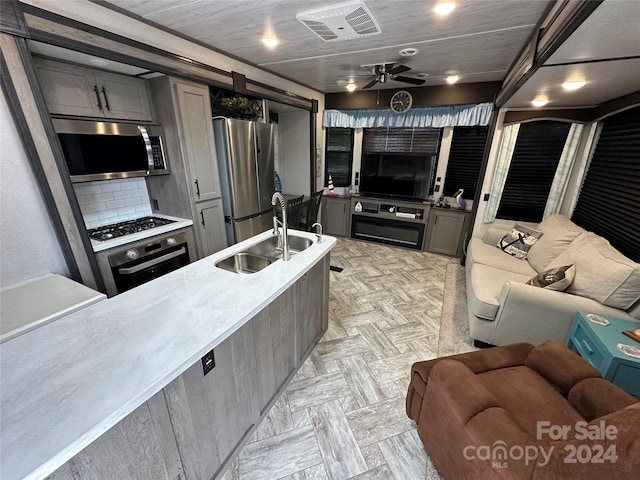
[[97, 150]]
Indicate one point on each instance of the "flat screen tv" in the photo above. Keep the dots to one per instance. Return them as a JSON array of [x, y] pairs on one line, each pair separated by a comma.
[[408, 177]]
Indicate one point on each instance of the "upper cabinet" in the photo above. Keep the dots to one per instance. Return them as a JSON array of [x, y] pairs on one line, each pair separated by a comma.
[[74, 90]]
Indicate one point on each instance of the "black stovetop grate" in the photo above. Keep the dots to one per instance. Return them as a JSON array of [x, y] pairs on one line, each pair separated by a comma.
[[109, 232]]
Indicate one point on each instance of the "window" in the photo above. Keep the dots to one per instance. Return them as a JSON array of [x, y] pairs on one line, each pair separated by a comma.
[[608, 201], [465, 157], [534, 163], [408, 141], [339, 156]]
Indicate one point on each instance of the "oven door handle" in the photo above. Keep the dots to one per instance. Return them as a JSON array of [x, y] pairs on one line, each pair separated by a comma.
[[151, 263]]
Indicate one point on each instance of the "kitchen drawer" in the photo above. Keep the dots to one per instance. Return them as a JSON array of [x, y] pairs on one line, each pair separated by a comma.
[[588, 346]]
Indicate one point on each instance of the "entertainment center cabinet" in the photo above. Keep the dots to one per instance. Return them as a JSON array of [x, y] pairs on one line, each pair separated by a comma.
[[446, 229], [336, 215], [389, 221], [415, 225]]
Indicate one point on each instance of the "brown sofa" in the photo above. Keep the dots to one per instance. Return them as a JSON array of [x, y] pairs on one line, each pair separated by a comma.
[[521, 412]]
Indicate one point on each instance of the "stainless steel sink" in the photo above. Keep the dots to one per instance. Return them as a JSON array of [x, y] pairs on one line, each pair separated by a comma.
[[269, 247], [245, 262], [261, 255]]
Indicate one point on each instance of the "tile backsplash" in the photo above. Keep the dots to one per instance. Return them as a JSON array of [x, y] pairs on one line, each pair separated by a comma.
[[111, 201]]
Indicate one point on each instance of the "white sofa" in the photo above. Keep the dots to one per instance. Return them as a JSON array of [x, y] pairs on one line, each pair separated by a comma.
[[504, 310]]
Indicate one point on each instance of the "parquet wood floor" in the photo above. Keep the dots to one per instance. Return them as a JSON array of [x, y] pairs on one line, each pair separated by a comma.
[[343, 414]]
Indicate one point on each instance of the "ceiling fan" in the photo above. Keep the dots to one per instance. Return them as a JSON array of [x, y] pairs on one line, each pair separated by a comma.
[[386, 71]]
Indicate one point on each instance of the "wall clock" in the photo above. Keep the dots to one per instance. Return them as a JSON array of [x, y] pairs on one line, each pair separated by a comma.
[[401, 101]]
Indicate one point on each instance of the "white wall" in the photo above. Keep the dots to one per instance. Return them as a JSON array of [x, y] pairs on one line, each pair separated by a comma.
[[293, 128], [28, 244]]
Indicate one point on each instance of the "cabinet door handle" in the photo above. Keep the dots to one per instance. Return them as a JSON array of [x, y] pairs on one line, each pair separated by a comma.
[[202, 217], [106, 100], [95, 89], [197, 188]]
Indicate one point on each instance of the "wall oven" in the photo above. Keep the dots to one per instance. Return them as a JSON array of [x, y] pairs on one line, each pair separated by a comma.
[[141, 263]]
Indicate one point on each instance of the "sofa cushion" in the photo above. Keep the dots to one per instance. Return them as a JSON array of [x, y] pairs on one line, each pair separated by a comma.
[[518, 241], [482, 253], [602, 273], [486, 283], [559, 232], [557, 279]]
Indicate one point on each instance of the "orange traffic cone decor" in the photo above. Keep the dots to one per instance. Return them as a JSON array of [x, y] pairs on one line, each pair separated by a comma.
[[330, 184]]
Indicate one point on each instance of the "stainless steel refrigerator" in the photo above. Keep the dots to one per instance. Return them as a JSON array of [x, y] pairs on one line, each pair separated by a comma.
[[246, 164]]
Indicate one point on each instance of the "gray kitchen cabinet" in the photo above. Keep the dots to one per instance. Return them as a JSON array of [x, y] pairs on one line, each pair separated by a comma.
[[274, 331], [212, 414], [192, 190], [197, 423], [74, 90], [445, 230], [335, 215], [312, 309], [210, 217], [194, 111], [140, 447]]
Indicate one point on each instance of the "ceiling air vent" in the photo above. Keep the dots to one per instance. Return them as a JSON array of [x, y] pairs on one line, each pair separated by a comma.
[[344, 21]]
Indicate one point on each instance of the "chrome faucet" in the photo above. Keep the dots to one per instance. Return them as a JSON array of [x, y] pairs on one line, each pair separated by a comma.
[[277, 197], [319, 235]]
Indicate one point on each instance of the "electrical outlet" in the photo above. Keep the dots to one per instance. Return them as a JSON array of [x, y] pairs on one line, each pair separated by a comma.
[[208, 362], [439, 179], [436, 188], [486, 197], [156, 206]]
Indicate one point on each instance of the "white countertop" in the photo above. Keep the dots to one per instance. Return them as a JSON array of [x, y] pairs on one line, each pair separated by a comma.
[[68, 382], [99, 246], [39, 301]]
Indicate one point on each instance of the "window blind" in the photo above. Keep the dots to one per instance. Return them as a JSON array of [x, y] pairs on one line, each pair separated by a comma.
[[608, 202], [533, 166], [465, 157], [407, 141], [339, 156]]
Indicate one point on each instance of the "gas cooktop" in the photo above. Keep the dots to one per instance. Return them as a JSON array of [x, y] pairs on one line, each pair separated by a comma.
[[109, 232]]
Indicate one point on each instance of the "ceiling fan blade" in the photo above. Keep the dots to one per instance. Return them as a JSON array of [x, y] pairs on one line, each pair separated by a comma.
[[370, 84], [398, 69], [415, 81]]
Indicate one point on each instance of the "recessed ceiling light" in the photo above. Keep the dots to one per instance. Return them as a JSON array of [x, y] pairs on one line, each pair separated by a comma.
[[451, 79], [540, 102], [421, 75], [351, 87], [408, 52], [573, 85], [341, 82], [270, 42], [444, 8], [99, 62]]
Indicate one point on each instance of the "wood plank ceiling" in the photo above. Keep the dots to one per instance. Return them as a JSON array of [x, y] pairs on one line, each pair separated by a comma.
[[479, 39]]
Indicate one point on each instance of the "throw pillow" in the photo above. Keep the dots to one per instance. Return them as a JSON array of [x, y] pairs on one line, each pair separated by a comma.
[[518, 241], [557, 279]]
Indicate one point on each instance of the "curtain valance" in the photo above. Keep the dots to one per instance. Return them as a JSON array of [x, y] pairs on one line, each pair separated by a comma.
[[446, 116]]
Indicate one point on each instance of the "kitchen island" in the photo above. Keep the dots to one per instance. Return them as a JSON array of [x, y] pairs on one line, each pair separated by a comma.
[[134, 361]]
